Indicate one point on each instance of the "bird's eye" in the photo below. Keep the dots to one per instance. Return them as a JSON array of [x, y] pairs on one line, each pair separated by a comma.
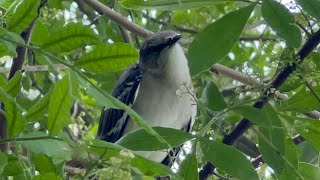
[[153, 49]]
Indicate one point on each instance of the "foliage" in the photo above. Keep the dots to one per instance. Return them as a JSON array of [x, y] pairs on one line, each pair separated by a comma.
[[71, 59]]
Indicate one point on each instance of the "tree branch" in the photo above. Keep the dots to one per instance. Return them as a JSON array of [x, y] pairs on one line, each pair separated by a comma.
[[194, 31], [118, 18], [280, 78]]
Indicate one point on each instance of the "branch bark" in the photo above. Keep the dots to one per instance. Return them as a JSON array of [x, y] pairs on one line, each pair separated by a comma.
[[118, 18]]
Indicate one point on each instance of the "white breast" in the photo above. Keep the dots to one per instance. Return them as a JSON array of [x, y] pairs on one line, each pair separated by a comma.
[[165, 102]]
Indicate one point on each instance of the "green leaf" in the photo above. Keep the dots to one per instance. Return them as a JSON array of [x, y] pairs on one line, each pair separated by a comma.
[[282, 22], [140, 140], [38, 110], [7, 3], [255, 115], [152, 168], [292, 158], [212, 97], [43, 164], [14, 85], [224, 157], [40, 33], [13, 112], [271, 141], [172, 5], [302, 101], [3, 162], [99, 97], [69, 38], [292, 83], [314, 57], [145, 166], [291, 152], [59, 106], [188, 169], [7, 48], [58, 4], [6, 45], [308, 128], [14, 166], [213, 43], [19, 17], [309, 171], [59, 151], [306, 151], [47, 176], [311, 6], [108, 58]]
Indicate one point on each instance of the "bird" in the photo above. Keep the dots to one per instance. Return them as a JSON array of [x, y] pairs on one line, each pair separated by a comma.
[[159, 88]]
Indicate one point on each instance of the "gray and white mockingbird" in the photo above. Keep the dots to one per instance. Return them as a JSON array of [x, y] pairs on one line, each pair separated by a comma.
[[158, 88]]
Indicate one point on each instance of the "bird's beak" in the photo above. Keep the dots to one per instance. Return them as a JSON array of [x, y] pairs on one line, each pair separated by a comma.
[[173, 39]]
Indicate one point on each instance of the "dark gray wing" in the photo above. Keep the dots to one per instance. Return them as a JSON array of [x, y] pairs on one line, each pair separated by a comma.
[[113, 121]]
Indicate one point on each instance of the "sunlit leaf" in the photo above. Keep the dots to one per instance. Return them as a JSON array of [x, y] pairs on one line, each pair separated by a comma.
[[214, 42]]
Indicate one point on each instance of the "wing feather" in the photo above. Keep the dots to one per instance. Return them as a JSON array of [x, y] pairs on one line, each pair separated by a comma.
[[113, 121]]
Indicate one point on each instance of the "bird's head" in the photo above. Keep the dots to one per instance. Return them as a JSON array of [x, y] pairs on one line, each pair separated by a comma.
[[156, 51]]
